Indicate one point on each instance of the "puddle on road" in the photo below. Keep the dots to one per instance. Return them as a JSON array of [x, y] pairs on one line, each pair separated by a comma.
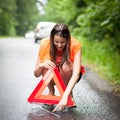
[[44, 113]]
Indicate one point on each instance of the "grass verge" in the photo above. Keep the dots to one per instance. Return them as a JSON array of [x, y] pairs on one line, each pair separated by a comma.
[[103, 59]]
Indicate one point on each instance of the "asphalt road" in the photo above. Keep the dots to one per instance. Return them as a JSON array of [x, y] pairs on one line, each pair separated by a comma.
[[93, 96]]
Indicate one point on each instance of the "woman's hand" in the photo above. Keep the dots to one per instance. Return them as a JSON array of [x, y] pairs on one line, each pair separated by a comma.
[[62, 104], [48, 64]]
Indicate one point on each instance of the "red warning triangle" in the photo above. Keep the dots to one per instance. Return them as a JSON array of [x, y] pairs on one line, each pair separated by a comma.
[[38, 97]]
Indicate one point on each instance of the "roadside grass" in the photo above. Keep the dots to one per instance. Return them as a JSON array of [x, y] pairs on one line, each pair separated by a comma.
[[103, 59], [15, 36], [4, 36]]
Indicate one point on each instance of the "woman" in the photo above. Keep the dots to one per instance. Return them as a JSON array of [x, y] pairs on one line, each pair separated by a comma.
[[64, 52]]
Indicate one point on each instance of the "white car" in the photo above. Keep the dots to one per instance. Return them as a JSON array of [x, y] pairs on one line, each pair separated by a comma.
[[43, 30], [30, 34]]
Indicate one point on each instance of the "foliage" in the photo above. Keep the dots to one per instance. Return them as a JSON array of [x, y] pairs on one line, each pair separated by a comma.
[[26, 17], [17, 16], [64, 11], [102, 19], [7, 17], [102, 58]]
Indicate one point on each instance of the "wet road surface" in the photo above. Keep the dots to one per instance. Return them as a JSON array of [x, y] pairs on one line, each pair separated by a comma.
[[94, 100]]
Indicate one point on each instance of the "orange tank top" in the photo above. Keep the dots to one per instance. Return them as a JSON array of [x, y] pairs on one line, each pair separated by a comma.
[[45, 47]]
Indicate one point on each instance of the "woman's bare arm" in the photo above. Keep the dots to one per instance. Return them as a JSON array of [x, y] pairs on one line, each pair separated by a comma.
[[72, 82], [38, 68], [48, 64]]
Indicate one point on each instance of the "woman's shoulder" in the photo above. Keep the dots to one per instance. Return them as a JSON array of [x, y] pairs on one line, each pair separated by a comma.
[[45, 42], [75, 42]]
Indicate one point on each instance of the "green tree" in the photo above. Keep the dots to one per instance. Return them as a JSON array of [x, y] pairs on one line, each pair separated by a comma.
[[63, 11], [7, 17], [102, 19], [17, 16], [27, 15]]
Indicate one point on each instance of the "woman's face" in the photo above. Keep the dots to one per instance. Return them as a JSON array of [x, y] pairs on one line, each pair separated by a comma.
[[59, 42]]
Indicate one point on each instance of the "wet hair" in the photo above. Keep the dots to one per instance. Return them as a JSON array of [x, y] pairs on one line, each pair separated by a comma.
[[63, 31]]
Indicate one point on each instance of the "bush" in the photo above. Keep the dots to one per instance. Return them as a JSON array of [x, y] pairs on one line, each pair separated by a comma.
[[103, 57]]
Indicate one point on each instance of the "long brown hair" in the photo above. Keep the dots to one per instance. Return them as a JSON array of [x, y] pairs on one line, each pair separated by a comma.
[[63, 31]]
